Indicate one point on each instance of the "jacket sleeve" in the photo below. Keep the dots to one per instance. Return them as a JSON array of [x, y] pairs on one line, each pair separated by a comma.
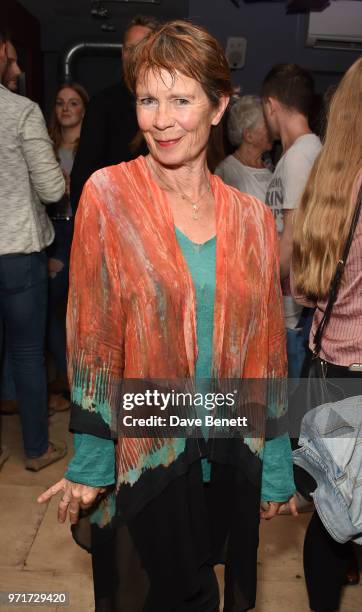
[[277, 360], [45, 173], [90, 154], [277, 477], [277, 353], [95, 321], [93, 462]]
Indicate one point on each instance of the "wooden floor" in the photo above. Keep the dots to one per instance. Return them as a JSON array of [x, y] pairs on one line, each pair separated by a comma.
[[38, 554]]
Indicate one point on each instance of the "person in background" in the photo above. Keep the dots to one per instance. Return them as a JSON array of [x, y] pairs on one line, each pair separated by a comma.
[[164, 284], [7, 387], [64, 129], [247, 131], [288, 94], [110, 132], [29, 175], [322, 225], [4, 450], [12, 72]]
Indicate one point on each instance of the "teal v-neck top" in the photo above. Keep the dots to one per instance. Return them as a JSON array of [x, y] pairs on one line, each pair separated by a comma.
[[94, 460], [201, 261]]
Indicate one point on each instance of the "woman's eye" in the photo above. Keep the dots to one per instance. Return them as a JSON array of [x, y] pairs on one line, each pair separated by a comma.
[[181, 101], [146, 101]]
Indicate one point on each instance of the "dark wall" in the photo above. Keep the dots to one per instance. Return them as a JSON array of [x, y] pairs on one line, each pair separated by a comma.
[[25, 33], [65, 22], [272, 37]]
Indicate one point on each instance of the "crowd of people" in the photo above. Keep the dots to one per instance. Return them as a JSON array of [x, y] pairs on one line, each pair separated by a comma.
[[113, 228]]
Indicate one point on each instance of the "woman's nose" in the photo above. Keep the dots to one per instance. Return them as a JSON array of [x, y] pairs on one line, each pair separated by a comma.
[[163, 117]]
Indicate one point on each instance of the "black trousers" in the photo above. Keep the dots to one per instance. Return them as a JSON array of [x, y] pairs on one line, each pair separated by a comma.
[[159, 561], [325, 560], [163, 559], [325, 566]]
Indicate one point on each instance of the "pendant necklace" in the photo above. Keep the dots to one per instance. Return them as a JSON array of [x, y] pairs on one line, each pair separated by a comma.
[[195, 204]]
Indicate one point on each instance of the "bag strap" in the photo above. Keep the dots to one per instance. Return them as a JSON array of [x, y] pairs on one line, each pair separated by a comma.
[[333, 292]]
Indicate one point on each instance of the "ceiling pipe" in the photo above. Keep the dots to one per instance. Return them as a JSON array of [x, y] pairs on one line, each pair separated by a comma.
[[73, 52]]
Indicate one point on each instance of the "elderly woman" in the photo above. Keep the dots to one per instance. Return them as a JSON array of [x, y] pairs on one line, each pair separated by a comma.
[[164, 284], [247, 131]]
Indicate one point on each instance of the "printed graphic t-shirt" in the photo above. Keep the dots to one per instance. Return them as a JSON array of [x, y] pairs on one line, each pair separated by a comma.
[[284, 192]]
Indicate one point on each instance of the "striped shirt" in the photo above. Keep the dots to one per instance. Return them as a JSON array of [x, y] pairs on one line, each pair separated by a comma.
[[342, 338]]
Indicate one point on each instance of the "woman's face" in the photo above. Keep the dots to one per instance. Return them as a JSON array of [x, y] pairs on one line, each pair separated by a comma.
[[175, 116], [69, 108], [261, 137]]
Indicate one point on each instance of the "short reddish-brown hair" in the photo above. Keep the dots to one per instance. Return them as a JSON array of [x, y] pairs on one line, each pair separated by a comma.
[[180, 46]]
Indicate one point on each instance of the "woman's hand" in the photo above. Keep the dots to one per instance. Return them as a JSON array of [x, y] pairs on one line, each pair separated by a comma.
[[54, 266], [274, 507], [75, 497]]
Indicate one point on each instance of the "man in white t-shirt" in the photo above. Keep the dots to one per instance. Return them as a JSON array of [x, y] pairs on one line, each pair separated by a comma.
[[287, 95]]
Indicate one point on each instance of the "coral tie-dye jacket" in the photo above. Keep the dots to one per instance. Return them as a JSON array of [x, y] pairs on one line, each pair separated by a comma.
[[131, 310]]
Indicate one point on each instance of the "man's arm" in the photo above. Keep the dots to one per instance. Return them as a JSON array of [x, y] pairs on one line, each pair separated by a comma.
[[286, 244], [91, 149], [46, 176], [297, 169]]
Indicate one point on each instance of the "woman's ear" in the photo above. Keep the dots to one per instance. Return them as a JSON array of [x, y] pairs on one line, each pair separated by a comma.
[[248, 136], [220, 110]]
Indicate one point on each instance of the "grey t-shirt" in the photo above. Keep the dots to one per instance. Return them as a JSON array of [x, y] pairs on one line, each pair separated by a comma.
[[66, 159], [284, 193], [63, 208]]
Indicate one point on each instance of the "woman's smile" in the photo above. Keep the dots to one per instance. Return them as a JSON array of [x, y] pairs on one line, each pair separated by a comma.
[[168, 143]]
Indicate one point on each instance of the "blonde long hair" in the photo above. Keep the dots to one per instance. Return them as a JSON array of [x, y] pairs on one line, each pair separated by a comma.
[[326, 209]]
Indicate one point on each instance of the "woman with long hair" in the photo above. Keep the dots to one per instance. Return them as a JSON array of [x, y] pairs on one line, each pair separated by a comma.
[[64, 129], [322, 227]]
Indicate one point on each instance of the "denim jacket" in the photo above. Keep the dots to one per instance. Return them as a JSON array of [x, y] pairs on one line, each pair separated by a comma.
[[331, 451]]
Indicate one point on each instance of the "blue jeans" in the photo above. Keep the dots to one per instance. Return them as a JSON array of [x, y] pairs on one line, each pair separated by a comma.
[[7, 386], [23, 306], [296, 351], [58, 293]]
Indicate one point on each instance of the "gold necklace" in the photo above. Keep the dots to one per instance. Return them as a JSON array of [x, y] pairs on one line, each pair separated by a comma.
[[195, 204]]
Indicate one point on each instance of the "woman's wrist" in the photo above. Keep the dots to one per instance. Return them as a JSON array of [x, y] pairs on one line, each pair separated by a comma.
[[88, 480]]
